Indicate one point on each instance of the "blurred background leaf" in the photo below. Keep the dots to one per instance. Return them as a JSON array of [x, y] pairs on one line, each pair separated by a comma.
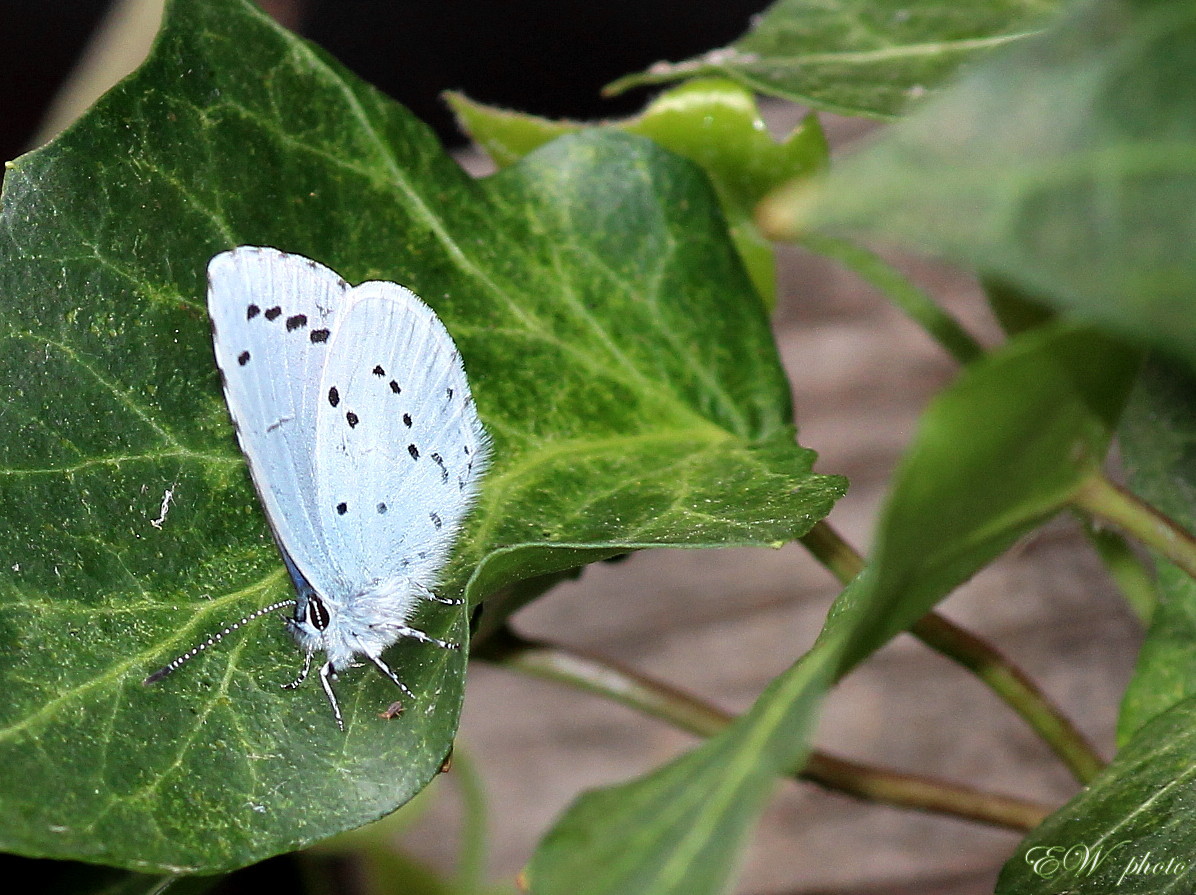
[[712, 122], [859, 57], [1065, 165]]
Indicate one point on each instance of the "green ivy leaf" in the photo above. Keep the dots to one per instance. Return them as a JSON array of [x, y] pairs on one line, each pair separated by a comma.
[[856, 57], [619, 357], [713, 122], [1129, 831], [1158, 448], [680, 829], [997, 453], [1065, 165]]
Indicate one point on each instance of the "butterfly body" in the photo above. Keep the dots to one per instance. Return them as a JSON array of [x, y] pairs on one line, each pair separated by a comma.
[[356, 419]]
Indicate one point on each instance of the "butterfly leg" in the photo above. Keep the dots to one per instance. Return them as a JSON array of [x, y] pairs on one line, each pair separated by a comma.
[[436, 598], [302, 674], [326, 675], [416, 634], [386, 670]]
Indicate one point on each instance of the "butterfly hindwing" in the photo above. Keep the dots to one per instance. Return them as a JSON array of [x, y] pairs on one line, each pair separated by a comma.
[[399, 446]]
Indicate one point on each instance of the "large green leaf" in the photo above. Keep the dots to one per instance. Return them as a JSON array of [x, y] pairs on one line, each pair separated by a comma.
[[857, 57], [1130, 831], [1066, 165], [999, 451], [680, 829], [619, 356], [1158, 447]]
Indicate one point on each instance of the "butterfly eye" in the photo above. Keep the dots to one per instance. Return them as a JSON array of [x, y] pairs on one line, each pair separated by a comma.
[[317, 613]]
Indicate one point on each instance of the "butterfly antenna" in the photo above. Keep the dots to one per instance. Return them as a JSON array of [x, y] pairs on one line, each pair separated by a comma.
[[174, 664]]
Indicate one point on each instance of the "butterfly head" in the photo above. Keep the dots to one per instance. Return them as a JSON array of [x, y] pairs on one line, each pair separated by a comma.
[[311, 619]]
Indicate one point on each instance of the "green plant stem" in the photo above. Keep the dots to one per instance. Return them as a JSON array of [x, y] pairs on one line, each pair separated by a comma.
[[1109, 502], [471, 864], [1132, 577], [915, 303], [1016, 689], [685, 711], [829, 548], [922, 793], [995, 670]]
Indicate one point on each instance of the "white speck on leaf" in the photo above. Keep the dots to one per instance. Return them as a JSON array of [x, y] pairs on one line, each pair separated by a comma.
[[164, 509]]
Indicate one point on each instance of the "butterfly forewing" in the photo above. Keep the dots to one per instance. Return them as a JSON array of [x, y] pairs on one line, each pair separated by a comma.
[[272, 317], [399, 446]]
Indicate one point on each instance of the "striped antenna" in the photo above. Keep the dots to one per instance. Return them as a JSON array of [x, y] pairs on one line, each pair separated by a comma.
[[213, 640]]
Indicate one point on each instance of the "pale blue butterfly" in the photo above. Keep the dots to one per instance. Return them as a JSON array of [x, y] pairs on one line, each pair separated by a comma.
[[353, 411]]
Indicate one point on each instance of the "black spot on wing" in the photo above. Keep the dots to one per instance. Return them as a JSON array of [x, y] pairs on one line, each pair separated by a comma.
[[342, 508], [439, 461], [252, 311], [334, 397], [378, 371], [243, 358], [351, 419], [435, 520], [319, 335], [394, 387], [273, 313], [407, 420], [413, 451], [296, 322]]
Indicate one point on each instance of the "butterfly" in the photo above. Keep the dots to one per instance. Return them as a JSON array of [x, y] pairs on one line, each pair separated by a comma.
[[354, 413]]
